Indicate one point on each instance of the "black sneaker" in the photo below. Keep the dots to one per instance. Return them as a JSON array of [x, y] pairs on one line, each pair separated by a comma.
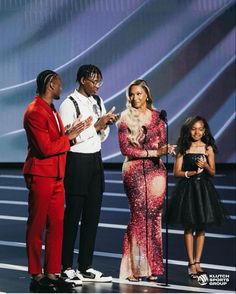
[[63, 286], [70, 277], [44, 285], [91, 275]]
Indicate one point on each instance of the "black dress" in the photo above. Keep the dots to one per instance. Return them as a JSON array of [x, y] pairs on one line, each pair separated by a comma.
[[195, 202]]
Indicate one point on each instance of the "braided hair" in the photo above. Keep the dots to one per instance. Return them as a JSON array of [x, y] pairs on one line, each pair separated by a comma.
[[86, 71], [43, 79]]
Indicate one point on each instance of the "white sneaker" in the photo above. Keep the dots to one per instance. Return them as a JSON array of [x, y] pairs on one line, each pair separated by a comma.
[[70, 276], [91, 275]]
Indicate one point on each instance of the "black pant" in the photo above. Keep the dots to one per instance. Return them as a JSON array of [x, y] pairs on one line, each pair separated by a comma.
[[84, 185]]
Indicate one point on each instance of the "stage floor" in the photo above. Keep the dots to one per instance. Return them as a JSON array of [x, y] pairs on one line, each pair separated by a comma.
[[218, 257]]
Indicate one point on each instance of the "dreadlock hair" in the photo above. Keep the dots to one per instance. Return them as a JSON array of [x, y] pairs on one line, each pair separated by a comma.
[[43, 79], [184, 141], [86, 71]]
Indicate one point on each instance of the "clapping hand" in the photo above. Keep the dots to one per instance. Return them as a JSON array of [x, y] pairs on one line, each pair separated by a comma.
[[85, 123], [77, 127], [106, 119]]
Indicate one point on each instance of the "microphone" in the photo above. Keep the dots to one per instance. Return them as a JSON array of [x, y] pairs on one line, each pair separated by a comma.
[[163, 115], [145, 134], [144, 130]]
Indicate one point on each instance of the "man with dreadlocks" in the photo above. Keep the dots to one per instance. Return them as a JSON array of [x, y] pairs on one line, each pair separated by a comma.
[[44, 171], [84, 179]]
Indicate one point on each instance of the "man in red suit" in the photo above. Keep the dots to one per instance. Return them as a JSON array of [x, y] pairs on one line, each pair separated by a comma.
[[44, 171]]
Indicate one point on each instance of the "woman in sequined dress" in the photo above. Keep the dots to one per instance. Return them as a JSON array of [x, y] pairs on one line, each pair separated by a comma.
[[195, 203], [142, 140]]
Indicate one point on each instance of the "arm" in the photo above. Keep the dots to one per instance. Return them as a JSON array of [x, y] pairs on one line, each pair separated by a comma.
[[106, 119], [178, 166], [159, 143], [128, 149], [36, 126], [101, 126], [178, 172], [69, 118]]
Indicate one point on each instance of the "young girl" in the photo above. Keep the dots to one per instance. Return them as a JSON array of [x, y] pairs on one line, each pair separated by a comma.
[[195, 202]]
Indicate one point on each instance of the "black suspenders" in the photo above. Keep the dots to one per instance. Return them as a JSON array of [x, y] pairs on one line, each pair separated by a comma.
[[76, 106], [97, 98]]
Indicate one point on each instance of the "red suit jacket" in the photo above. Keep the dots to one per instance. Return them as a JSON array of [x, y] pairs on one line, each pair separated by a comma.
[[47, 146]]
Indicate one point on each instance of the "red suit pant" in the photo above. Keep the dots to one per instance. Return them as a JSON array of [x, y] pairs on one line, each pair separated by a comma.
[[46, 213]]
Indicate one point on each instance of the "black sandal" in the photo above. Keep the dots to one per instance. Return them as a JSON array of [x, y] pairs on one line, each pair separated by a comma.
[[200, 273], [192, 275], [133, 279], [152, 278]]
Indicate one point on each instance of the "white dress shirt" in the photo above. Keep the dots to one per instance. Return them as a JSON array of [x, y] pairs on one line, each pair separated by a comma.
[[89, 141], [55, 114]]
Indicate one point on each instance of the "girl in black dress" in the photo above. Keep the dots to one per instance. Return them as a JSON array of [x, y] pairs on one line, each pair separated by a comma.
[[195, 203]]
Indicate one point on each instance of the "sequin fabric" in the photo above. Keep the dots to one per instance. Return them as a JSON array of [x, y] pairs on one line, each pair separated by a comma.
[[145, 185]]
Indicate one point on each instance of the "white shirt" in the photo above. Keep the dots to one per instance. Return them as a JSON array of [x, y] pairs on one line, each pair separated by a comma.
[[55, 114], [88, 141]]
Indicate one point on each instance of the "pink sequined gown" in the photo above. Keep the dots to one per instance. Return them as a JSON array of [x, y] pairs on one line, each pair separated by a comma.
[[145, 186]]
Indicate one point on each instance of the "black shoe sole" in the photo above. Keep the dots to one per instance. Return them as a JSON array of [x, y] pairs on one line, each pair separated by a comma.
[[40, 289]]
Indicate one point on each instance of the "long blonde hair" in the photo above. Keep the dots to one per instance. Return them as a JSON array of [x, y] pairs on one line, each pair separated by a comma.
[[131, 116]]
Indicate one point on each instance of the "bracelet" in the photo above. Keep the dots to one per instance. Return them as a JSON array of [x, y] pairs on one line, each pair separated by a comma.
[[186, 174]]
